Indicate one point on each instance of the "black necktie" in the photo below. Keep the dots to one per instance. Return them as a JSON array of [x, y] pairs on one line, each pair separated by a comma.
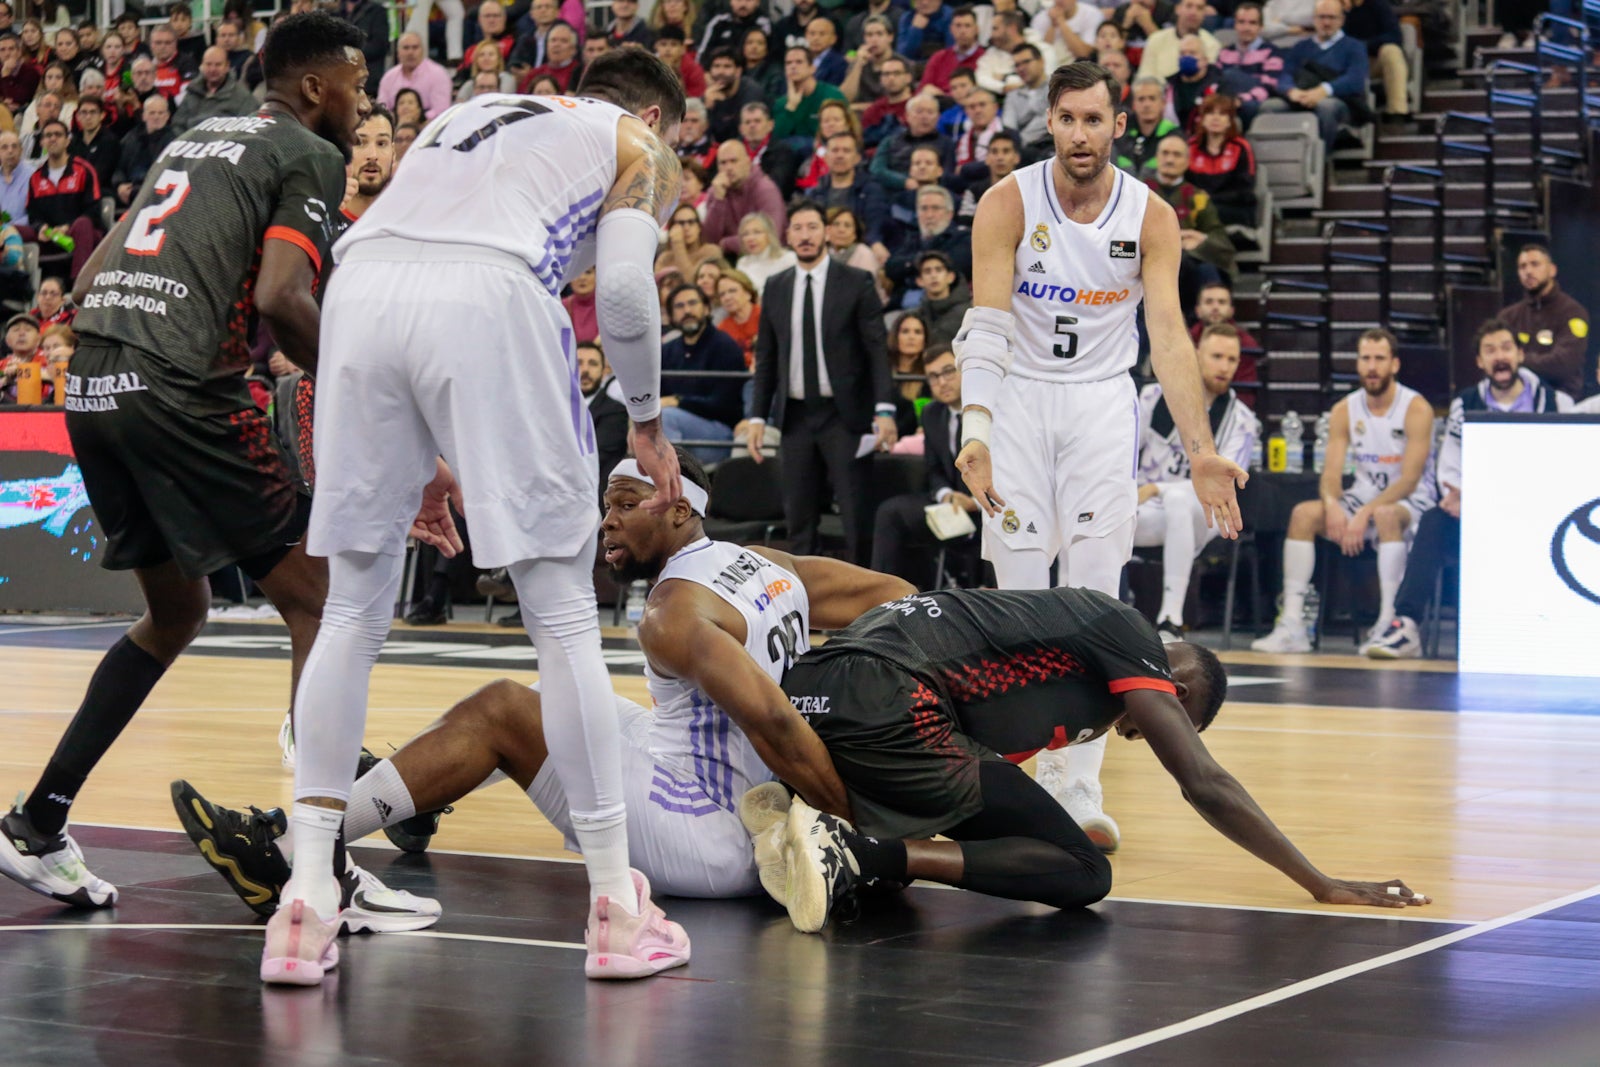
[[955, 436], [808, 346]]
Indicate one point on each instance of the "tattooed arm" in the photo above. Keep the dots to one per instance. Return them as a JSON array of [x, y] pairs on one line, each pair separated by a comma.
[[649, 175]]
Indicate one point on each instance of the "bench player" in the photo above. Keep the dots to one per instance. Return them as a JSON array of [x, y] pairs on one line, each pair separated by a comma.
[[1386, 430], [1063, 252], [1169, 513], [183, 470], [503, 198]]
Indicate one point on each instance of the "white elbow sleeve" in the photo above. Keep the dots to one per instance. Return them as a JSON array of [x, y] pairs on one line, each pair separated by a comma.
[[627, 307], [983, 352]]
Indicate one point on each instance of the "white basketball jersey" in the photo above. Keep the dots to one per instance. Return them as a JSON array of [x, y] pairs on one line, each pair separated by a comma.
[[1077, 285], [706, 756], [1162, 456], [522, 174], [1378, 443]]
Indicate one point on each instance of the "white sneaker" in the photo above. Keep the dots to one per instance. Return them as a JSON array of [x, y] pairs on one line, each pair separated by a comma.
[[301, 948], [1083, 801], [286, 739], [369, 905], [1285, 637], [1400, 641], [764, 811], [53, 867]]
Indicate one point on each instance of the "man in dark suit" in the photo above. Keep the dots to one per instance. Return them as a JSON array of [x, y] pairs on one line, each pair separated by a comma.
[[822, 377], [609, 415], [902, 543]]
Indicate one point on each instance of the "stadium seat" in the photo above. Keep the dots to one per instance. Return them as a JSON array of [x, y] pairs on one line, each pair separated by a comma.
[[1292, 154]]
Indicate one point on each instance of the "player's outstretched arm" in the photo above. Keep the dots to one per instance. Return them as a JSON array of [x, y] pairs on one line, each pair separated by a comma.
[[685, 633], [983, 344], [1216, 479], [839, 592], [1224, 803], [627, 307]]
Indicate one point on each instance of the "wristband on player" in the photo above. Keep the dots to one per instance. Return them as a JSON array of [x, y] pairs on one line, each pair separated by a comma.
[[975, 424]]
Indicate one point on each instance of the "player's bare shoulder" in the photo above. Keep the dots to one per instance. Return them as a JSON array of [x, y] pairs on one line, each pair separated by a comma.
[[1000, 208], [1160, 223], [649, 175]]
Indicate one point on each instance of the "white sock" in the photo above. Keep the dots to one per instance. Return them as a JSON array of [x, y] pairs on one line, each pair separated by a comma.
[[1084, 759], [603, 839], [378, 799], [313, 880], [1299, 562], [1177, 563], [1391, 570]]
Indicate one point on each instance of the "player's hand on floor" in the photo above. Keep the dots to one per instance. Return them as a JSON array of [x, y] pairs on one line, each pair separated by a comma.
[[434, 524], [1217, 481], [658, 459], [976, 471], [1391, 894]]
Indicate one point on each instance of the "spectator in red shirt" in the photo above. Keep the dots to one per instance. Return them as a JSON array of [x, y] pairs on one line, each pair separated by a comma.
[[672, 51], [173, 70], [1221, 161], [64, 195], [964, 52], [580, 308], [1216, 305], [737, 190], [491, 27], [887, 114], [561, 58], [19, 79], [51, 307]]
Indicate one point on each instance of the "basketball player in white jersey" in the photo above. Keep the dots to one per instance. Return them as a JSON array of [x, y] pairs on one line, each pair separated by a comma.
[[722, 625], [1386, 429], [1169, 513], [444, 337], [1063, 251]]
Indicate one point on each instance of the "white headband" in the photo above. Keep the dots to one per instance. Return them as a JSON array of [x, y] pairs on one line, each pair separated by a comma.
[[695, 495]]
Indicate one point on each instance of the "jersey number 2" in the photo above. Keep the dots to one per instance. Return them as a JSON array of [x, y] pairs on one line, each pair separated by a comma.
[[146, 236], [1070, 349]]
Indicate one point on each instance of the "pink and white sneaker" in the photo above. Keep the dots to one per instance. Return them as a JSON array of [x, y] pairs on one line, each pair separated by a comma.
[[623, 945], [300, 948]]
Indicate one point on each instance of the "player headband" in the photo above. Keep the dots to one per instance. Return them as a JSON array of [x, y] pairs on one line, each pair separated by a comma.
[[695, 495]]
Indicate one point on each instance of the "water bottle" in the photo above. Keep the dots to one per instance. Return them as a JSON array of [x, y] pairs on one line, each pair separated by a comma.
[[1258, 454], [1308, 615], [1319, 446], [637, 592], [1294, 443]]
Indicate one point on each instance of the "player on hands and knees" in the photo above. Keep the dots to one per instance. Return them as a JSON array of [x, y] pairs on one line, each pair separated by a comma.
[[1386, 430], [1063, 252], [593, 178], [183, 470], [927, 704]]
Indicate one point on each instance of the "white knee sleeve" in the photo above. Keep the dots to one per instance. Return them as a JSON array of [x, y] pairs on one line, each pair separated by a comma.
[[1097, 562]]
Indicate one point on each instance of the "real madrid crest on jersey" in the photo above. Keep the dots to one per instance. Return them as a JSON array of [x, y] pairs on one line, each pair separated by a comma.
[[1041, 238], [1009, 521]]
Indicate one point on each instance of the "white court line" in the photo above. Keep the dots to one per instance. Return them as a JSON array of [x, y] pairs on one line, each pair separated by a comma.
[[1244, 1007], [437, 935]]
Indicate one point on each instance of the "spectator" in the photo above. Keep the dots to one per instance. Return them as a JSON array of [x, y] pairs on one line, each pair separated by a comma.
[[1069, 26], [790, 31], [1374, 24], [963, 53], [892, 164], [491, 28], [1117, 63], [796, 116], [848, 185], [900, 232], [1250, 65], [594, 48], [51, 306], [822, 377], [1139, 20], [997, 70], [19, 79], [1160, 56], [975, 179], [609, 415], [706, 277], [561, 59], [34, 47], [827, 62], [627, 27], [834, 116], [684, 14], [142, 146], [694, 135], [845, 245], [936, 212], [405, 135], [130, 98], [1195, 81], [760, 65], [174, 71], [15, 176], [68, 53], [763, 255], [1222, 163], [1215, 307], [57, 345], [739, 189], [531, 36], [483, 83], [693, 191], [46, 107], [1136, 148], [1027, 105], [741, 306], [89, 37], [110, 62], [775, 159], [1325, 74], [1109, 37], [94, 143], [1507, 385], [126, 26], [727, 92], [863, 81], [1208, 253], [486, 60], [699, 408], [230, 38], [58, 80], [902, 542], [1551, 327], [855, 29], [983, 122], [217, 91], [1288, 22], [22, 348], [64, 196], [726, 29], [409, 110], [908, 345], [923, 30], [415, 71], [887, 114], [686, 243], [945, 298], [579, 303], [672, 50]]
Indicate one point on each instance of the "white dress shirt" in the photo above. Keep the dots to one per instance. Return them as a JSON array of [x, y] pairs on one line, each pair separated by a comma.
[[797, 367]]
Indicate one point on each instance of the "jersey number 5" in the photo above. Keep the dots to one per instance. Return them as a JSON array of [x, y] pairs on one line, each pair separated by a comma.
[[1070, 349], [145, 236]]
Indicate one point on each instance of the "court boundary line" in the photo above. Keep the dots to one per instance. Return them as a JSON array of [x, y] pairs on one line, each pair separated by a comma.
[[437, 935], [1308, 985]]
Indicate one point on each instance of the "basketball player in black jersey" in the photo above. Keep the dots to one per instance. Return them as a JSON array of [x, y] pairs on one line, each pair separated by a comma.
[[928, 703]]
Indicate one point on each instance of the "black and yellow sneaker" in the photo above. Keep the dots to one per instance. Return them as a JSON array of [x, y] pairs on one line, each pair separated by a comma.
[[242, 847], [408, 835]]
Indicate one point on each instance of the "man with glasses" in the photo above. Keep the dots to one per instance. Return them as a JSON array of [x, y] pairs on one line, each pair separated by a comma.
[[887, 114], [1027, 105]]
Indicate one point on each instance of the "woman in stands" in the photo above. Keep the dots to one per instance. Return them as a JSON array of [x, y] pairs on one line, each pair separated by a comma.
[[680, 13], [740, 302], [764, 255], [57, 79], [408, 108], [907, 343], [845, 245], [834, 116], [687, 247], [1221, 161], [35, 49], [760, 66], [487, 59], [706, 277]]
